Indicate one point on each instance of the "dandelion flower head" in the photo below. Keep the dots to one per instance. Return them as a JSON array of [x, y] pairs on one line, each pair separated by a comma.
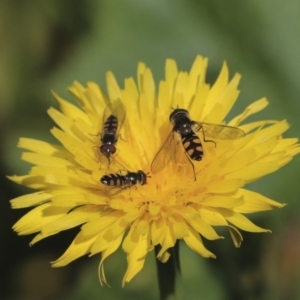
[[172, 205]]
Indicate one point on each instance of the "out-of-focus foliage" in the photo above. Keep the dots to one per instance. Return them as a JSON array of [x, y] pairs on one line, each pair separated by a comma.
[[50, 44]]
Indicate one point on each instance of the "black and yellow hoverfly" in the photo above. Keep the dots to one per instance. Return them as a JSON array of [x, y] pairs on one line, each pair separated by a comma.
[[187, 128], [113, 118], [119, 182]]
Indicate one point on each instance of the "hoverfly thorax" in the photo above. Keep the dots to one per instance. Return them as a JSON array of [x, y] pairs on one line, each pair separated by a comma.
[[181, 121], [132, 178], [109, 139]]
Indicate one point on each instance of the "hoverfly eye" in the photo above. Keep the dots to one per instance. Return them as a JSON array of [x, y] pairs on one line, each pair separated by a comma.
[[113, 150], [105, 180]]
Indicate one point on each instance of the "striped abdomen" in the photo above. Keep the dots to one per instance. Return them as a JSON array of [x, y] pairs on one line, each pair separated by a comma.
[[114, 180], [192, 145], [110, 125]]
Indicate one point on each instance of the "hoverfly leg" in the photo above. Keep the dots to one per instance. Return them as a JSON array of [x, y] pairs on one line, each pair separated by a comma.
[[94, 134], [198, 127], [120, 137], [109, 159], [208, 141], [190, 161], [175, 151]]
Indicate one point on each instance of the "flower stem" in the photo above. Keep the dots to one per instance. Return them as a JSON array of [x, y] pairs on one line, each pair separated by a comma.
[[169, 274]]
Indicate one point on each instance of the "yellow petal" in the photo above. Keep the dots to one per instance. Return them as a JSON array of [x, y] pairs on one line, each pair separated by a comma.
[[113, 246], [258, 124], [179, 90], [38, 217], [45, 160], [95, 97], [143, 224], [113, 89], [79, 247], [69, 200], [218, 87], [268, 133], [69, 142], [32, 181], [204, 229], [196, 78], [236, 236], [136, 259], [165, 257], [222, 201], [199, 103], [164, 100], [80, 93], [239, 161], [254, 171], [227, 185], [156, 231], [30, 200], [42, 147], [194, 241], [253, 108], [147, 88], [254, 202], [72, 219], [285, 144], [241, 222], [171, 74], [167, 239], [101, 224], [132, 238], [61, 120], [85, 161], [64, 177], [223, 102], [69, 110], [179, 225], [130, 95], [212, 217], [121, 225]]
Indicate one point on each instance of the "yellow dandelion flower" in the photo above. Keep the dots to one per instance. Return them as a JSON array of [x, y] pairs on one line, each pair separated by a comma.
[[114, 196]]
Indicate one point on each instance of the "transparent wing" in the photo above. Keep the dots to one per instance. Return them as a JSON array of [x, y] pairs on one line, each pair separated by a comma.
[[219, 131], [112, 191], [120, 112], [164, 154], [116, 109]]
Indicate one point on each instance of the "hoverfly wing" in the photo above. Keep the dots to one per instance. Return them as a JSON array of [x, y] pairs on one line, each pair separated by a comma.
[[106, 113], [219, 131], [118, 110], [112, 191], [164, 154]]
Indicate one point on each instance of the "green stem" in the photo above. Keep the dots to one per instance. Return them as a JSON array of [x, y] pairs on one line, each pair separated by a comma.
[[169, 274]]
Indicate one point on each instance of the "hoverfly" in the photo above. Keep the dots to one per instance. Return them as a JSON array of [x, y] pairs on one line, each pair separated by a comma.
[[120, 182], [186, 129], [113, 118]]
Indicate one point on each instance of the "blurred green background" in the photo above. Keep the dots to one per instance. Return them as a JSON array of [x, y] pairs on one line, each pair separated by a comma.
[[48, 44]]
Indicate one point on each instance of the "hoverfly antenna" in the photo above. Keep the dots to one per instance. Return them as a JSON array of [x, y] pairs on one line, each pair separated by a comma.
[[97, 134], [174, 108]]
